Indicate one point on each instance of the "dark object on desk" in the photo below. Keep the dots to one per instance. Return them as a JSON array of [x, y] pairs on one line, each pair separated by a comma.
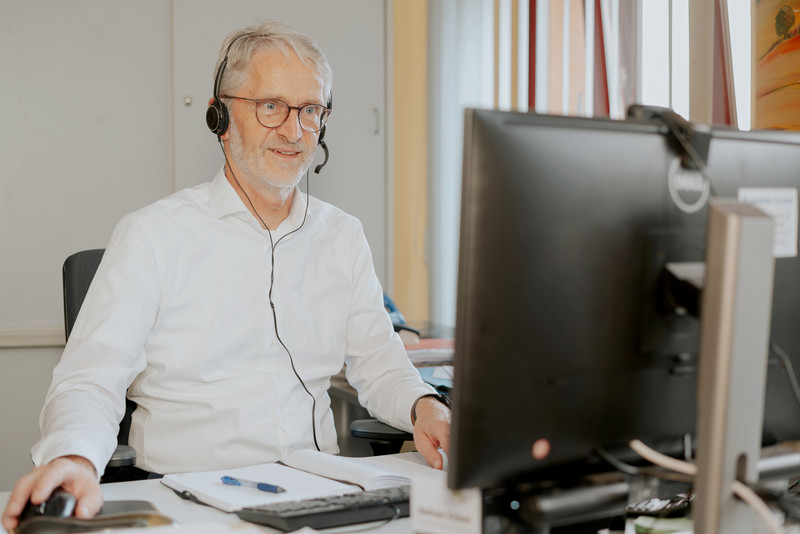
[[677, 506], [113, 515], [397, 317], [349, 509], [580, 509], [407, 334], [398, 320], [78, 271], [60, 503], [788, 501]]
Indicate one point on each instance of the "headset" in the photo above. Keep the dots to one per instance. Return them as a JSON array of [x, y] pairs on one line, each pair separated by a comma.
[[218, 118]]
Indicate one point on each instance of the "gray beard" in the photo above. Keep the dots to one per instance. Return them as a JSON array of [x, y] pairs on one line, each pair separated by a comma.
[[246, 163]]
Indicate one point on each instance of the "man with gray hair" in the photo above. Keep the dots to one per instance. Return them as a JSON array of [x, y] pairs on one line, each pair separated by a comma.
[[224, 310]]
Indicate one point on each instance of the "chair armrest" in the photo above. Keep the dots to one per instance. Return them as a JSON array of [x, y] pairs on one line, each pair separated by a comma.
[[374, 429], [123, 456], [383, 439]]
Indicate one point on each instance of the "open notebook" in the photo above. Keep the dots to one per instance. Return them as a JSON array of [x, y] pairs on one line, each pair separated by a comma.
[[305, 474]]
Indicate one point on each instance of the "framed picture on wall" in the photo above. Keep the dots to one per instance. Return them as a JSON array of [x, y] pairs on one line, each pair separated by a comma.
[[776, 64]]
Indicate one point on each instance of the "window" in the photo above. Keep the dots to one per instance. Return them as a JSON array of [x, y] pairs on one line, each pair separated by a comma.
[[479, 57]]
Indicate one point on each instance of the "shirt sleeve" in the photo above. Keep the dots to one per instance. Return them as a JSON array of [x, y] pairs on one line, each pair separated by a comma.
[[104, 353], [377, 365]]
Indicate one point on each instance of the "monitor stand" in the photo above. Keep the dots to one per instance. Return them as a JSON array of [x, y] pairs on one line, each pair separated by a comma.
[[734, 339]]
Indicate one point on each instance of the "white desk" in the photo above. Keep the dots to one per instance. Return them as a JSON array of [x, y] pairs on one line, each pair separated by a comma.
[[186, 513]]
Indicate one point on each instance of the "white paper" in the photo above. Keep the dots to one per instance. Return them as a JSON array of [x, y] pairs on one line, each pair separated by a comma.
[[781, 204], [436, 509], [420, 356], [366, 475], [308, 474], [208, 488], [443, 372], [195, 528], [407, 464]]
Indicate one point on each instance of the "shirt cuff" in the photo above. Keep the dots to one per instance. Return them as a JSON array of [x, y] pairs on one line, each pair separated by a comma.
[[50, 448], [406, 402]]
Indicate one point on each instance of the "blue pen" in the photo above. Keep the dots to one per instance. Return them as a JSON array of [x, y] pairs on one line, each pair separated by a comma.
[[263, 486]]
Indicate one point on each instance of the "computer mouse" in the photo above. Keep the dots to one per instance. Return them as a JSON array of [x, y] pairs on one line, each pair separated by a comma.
[[60, 503]]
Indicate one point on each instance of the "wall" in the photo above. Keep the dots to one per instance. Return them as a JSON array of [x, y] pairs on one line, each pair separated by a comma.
[[81, 146], [24, 378]]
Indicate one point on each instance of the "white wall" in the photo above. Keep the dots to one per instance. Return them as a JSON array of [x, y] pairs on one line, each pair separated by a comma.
[[94, 127], [24, 378], [86, 138]]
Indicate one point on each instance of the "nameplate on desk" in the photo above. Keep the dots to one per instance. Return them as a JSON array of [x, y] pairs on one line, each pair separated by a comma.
[[436, 509]]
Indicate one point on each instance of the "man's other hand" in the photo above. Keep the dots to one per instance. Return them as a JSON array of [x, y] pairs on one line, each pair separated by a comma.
[[432, 430], [74, 474]]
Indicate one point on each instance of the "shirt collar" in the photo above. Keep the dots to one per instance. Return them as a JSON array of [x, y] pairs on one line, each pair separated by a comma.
[[225, 201]]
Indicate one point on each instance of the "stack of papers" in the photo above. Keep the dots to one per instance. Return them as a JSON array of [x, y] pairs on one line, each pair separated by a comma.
[[199, 528], [305, 474], [433, 351]]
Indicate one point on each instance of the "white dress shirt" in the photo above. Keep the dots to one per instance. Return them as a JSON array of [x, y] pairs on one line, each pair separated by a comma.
[[179, 311]]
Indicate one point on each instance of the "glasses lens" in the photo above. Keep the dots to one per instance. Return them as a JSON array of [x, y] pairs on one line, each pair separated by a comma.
[[272, 113], [312, 117]]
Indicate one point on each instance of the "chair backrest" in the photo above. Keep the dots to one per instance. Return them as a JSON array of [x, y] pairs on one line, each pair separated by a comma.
[[78, 272]]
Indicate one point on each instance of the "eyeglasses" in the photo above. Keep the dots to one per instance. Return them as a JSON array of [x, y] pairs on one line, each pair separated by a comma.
[[273, 113]]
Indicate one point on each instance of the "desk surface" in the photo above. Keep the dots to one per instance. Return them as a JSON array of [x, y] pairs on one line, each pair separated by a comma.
[[186, 513]]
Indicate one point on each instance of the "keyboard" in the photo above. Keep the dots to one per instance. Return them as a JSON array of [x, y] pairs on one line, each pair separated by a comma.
[[326, 512]]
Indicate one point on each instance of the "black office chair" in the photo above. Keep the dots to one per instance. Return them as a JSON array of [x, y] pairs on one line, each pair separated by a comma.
[[77, 273]]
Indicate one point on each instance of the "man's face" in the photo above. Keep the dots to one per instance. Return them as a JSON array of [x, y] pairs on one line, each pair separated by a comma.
[[273, 157]]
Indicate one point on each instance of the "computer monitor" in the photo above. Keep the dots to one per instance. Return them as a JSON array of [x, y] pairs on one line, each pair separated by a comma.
[[565, 334]]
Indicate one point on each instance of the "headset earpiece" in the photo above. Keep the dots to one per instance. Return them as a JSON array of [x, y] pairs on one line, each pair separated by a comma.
[[217, 117]]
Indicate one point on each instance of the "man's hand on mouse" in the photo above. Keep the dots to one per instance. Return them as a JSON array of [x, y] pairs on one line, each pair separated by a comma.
[[74, 474]]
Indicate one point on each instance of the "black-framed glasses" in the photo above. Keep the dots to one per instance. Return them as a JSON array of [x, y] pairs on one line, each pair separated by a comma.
[[273, 113]]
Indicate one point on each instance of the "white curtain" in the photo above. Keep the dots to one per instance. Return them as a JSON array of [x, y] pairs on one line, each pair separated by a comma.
[[460, 63]]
